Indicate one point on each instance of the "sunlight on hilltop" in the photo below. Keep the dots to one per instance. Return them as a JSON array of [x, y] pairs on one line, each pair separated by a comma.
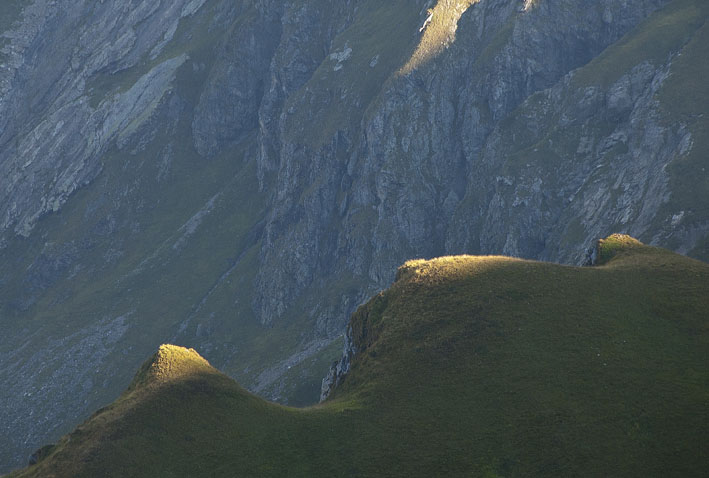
[[447, 267], [172, 362], [615, 244], [438, 31], [541, 350]]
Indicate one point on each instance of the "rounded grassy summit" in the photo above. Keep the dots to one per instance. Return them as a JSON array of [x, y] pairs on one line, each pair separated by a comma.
[[465, 366], [169, 363]]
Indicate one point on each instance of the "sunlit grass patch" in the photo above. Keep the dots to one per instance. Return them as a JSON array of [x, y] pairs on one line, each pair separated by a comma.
[[447, 267], [614, 244], [437, 33]]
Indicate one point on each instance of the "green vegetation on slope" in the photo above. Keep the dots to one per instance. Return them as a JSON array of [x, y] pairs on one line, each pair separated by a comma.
[[615, 245], [663, 33], [545, 138], [685, 100], [156, 239], [10, 11], [677, 34], [466, 366], [373, 48]]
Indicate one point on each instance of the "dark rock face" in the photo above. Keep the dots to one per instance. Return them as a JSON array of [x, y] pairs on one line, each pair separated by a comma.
[[40, 454], [339, 369], [239, 176], [417, 176]]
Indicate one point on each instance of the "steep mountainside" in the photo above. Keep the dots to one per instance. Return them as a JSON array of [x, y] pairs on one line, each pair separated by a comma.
[[466, 366], [239, 176]]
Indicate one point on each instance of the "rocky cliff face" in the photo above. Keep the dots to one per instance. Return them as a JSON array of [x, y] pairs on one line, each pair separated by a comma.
[[52, 135], [239, 176], [406, 175]]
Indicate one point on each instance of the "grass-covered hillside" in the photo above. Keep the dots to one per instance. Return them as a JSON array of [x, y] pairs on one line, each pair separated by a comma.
[[238, 176], [466, 366]]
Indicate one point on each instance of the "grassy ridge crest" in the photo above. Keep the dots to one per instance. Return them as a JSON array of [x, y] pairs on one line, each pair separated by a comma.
[[465, 366]]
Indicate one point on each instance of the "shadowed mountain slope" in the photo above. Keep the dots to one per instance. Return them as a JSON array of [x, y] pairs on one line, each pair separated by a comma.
[[239, 176], [482, 366]]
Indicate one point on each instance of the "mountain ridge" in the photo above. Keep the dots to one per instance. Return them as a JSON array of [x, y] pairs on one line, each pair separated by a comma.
[[239, 178], [460, 368]]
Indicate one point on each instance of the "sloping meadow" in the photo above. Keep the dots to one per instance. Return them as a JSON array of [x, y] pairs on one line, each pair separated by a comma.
[[467, 365]]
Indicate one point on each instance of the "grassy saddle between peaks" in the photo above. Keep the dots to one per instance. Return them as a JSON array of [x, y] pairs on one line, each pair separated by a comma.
[[465, 366]]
